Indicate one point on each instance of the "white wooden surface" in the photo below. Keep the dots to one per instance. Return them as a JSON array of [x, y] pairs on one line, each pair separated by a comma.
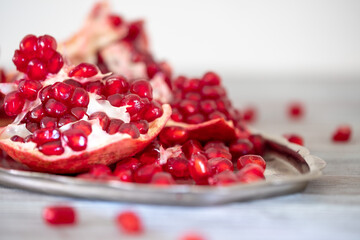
[[328, 209]]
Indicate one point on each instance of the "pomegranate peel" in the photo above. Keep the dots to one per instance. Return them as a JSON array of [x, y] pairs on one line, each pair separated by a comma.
[[73, 162], [216, 129]]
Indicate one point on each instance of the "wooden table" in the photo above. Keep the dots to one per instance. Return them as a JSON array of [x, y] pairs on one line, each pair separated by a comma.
[[328, 209]]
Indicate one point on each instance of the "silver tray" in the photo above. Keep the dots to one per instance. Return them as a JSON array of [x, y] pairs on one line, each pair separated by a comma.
[[289, 168]]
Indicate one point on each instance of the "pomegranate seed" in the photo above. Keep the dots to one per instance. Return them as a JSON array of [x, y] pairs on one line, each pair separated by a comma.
[[252, 168], [115, 99], [258, 143], [17, 138], [133, 103], [55, 108], [176, 115], [241, 147], [104, 120], [13, 104], [46, 42], [127, 164], [61, 91], [248, 178], [249, 114], [223, 105], [247, 159], [80, 98], [342, 133], [153, 112], [114, 126], [216, 115], [195, 119], [177, 167], [84, 126], [151, 70], [116, 84], [58, 215], [131, 129], [296, 110], [199, 169], [224, 178], [20, 61], [179, 82], [188, 107], [28, 45], [210, 79], [162, 178], [84, 70], [216, 153], [191, 147], [51, 148], [36, 70], [55, 63], [32, 127], [151, 154], [145, 173], [170, 136], [28, 138], [193, 96], [67, 118], [124, 175], [207, 106], [73, 83], [134, 30], [45, 93], [294, 138], [100, 170], [142, 88], [218, 165], [213, 92], [45, 135], [142, 125], [115, 20], [216, 144], [191, 85], [48, 122], [37, 114], [96, 87], [78, 112], [29, 89], [76, 139], [129, 222]]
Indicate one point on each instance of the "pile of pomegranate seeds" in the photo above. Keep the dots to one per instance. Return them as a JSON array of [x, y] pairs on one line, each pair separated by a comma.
[[129, 223], [342, 134], [37, 57], [189, 161], [59, 215], [199, 100]]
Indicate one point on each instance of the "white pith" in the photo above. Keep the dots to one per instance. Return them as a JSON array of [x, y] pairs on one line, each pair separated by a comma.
[[170, 152]]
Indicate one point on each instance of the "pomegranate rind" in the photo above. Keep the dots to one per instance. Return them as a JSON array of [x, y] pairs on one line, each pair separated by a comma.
[[216, 129], [105, 153]]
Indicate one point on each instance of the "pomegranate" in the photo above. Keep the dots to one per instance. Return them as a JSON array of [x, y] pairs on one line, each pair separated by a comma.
[[74, 126]]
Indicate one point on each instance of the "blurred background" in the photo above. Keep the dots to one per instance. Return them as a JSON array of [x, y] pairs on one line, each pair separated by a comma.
[[256, 37]]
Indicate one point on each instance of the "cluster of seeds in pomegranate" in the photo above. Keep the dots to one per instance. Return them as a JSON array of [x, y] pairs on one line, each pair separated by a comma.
[[67, 102], [185, 160], [37, 57], [199, 100]]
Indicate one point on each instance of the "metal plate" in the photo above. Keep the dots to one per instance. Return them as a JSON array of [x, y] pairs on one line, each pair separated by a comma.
[[289, 168]]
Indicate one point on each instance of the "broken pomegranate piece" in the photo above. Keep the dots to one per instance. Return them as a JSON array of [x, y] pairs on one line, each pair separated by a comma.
[[72, 125]]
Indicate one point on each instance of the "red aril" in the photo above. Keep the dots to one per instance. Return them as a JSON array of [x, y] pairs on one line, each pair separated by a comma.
[[129, 222], [251, 159], [170, 136], [178, 167], [127, 164], [218, 165], [223, 178], [29, 89], [162, 178], [145, 173], [83, 70], [76, 139], [99, 170], [241, 147], [59, 215], [191, 147], [252, 168], [13, 104], [342, 133], [296, 110], [294, 138], [199, 169], [124, 175]]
